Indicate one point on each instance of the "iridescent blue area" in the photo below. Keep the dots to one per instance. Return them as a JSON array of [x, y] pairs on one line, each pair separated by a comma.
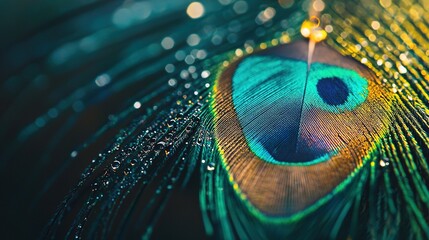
[[333, 91], [270, 100]]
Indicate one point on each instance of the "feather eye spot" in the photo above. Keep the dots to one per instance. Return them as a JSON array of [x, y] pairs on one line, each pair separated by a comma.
[[333, 91], [295, 127]]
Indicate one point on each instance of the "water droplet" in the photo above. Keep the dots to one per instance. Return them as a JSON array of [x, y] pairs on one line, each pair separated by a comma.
[[384, 162], [102, 80], [188, 129], [205, 74], [73, 154], [160, 146], [172, 82], [115, 165], [211, 166], [133, 162], [137, 105]]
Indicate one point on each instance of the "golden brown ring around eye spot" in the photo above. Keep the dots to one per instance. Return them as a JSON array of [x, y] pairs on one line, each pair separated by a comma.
[[282, 190]]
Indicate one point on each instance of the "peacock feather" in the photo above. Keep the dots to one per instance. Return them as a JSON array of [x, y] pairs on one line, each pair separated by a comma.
[[255, 119]]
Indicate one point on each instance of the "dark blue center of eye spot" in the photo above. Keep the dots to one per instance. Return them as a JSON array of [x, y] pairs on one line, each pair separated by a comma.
[[333, 91]]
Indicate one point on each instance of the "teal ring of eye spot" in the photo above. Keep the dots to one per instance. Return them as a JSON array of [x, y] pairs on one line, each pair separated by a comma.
[[270, 98], [357, 87]]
